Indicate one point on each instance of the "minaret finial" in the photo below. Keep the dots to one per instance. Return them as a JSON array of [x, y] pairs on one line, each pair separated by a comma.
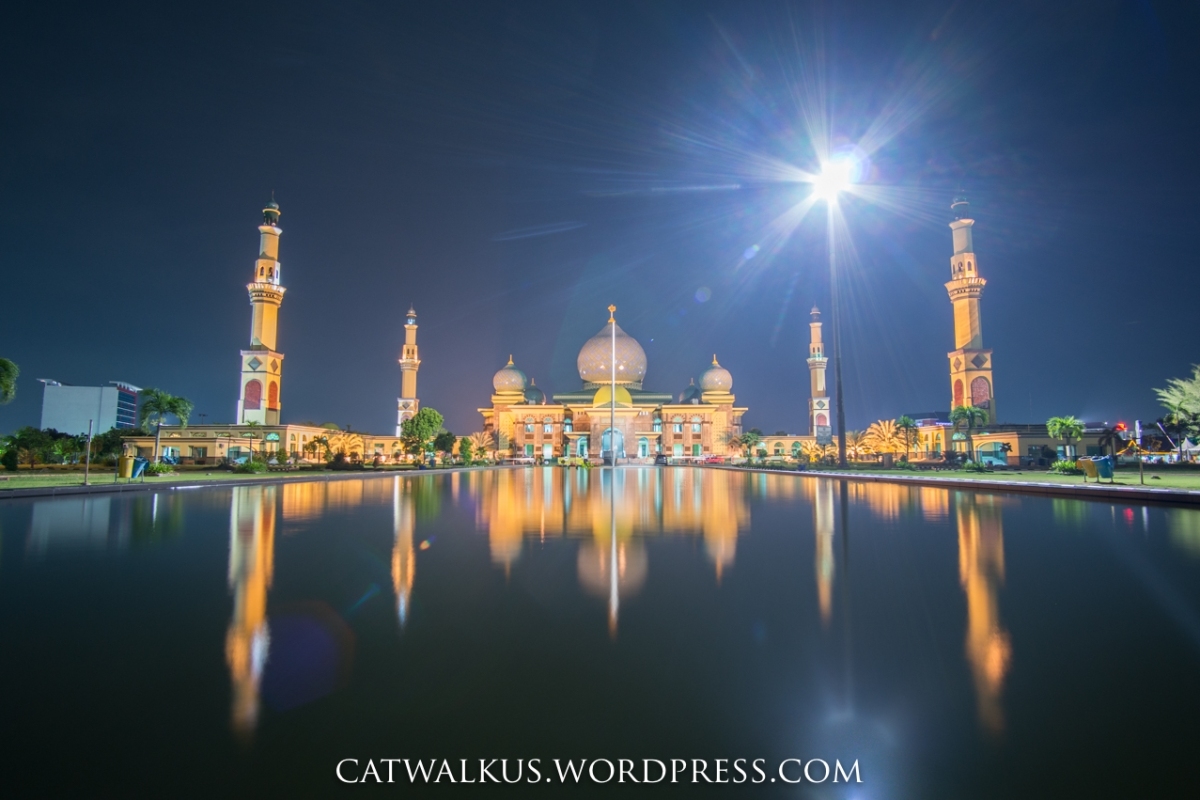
[[611, 311], [510, 361], [715, 364]]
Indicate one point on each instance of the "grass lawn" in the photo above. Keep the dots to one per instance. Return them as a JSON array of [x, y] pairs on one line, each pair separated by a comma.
[[1155, 479], [40, 479]]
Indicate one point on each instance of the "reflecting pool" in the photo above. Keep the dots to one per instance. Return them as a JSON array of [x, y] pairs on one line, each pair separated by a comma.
[[245, 640]]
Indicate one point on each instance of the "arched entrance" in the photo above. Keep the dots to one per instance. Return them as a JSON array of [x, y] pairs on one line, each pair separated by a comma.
[[607, 440], [581, 447], [643, 447]]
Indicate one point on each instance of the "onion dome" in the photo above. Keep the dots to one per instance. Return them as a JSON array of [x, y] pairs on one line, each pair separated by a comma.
[[604, 397], [509, 379], [535, 396], [595, 358], [716, 378], [271, 212], [691, 394]]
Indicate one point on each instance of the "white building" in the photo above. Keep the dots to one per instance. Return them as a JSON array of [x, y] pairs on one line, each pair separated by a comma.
[[67, 408]]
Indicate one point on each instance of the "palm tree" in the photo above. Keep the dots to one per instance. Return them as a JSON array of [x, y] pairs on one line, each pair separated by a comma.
[[856, 444], [1110, 440], [750, 440], [884, 437], [323, 441], [908, 429], [1065, 428], [252, 434], [481, 444], [967, 419], [156, 405], [8, 380]]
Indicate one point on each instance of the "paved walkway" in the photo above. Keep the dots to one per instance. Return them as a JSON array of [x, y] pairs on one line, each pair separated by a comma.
[[1088, 491]]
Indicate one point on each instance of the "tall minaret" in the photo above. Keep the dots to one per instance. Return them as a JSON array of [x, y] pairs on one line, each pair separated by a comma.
[[818, 402], [406, 404], [258, 400], [970, 364]]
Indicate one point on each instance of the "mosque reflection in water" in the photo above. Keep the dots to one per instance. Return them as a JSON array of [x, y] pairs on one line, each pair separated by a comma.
[[610, 516]]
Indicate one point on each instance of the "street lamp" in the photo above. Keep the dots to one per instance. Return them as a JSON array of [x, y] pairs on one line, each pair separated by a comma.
[[836, 176]]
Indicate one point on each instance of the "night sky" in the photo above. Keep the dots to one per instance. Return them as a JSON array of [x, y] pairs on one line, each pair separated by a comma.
[[513, 168]]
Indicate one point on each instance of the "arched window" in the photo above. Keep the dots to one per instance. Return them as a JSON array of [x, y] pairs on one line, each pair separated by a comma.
[[695, 424], [958, 393], [273, 395], [981, 392], [252, 396]]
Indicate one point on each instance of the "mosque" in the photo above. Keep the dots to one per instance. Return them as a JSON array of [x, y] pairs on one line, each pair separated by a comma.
[[260, 394], [637, 423]]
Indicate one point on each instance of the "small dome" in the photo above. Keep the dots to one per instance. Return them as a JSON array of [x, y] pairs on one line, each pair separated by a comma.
[[534, 395], [603, 397], [595, 358], [716, 378], [691, 394], [509, 379]]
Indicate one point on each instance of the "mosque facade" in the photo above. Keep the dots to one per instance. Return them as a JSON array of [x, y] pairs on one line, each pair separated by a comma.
[[637, 423]]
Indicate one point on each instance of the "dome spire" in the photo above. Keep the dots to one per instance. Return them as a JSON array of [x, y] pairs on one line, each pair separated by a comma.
[[612, 310]]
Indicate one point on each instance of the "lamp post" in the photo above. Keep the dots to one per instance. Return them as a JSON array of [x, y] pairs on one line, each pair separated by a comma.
[[836, 175]]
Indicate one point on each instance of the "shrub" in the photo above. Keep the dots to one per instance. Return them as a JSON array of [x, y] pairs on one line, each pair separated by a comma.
[[159, 469], [9, 459], [1065, 467], [975, 466], [251, 467]]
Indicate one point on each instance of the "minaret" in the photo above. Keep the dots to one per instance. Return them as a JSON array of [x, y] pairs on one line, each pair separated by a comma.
[[818, 402], [258, 400], [406, 404], [970, 364]]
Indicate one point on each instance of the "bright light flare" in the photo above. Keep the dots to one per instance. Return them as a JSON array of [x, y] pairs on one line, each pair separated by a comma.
[[836, 176]]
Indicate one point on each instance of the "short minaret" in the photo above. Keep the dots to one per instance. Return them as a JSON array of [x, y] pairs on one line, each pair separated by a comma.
[[970, 364], [406, 404], [818, 401], [262, 364]]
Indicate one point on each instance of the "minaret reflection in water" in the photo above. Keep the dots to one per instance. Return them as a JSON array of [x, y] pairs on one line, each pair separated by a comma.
[[823, 522], [981, 570], [404, 559], [251, 561]]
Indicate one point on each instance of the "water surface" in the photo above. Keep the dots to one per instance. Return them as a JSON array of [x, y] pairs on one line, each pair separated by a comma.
[[244, 640]]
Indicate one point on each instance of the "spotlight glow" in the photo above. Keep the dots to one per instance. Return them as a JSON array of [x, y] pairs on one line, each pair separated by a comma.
[[836, 176]]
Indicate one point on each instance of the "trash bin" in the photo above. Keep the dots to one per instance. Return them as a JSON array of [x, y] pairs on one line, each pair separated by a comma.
[[139, 466], [1104, 467], [125, 467]]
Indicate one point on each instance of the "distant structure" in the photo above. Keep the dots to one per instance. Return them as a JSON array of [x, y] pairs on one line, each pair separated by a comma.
[[262, 364], [970, 364], [407, 403], [67, 408], [818, 400], [700, 423]]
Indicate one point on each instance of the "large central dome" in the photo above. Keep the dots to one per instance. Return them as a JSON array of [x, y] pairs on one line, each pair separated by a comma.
[[595, 358]]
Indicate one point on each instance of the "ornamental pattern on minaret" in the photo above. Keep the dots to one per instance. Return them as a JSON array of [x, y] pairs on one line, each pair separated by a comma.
[[410, 362], [818, 402], [262, 365], [970, 363]]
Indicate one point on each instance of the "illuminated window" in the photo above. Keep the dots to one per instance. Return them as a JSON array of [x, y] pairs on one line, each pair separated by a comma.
[[547, 428], [678, 427]]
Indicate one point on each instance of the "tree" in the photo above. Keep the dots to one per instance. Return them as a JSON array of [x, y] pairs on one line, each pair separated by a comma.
[[750, 440], [418, 429], [1111, 440], [252, 434], [967, 419], [481, 443], [323, 441], [1067, 429], [856, 444], [444, 442], [908, 429], [883, 437], [30, 445], [8, 380], [1182, 393], [464, 450], [67, 447], [1181, 423], [156, 406]]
